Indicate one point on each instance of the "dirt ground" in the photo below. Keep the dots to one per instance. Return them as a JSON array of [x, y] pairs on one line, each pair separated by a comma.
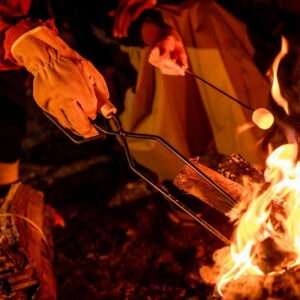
[[122, 239]]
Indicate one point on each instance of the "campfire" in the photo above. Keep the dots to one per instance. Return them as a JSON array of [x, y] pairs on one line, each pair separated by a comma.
[[262, 260]]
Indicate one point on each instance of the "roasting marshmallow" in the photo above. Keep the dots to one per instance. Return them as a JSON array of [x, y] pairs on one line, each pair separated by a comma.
[[263, 118]]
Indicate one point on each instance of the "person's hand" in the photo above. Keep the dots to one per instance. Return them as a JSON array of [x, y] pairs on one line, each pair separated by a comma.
[[126, 12], [65, 85], [169, 56]]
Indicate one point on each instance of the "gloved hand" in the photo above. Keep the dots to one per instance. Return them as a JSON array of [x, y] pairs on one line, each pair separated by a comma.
[[169, 54], [126, 12], [65, 85]]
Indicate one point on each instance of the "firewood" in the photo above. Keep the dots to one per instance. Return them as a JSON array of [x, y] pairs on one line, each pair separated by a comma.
[[234, 175], [190, 182], [236, 168], [270, 256], [245, 288], [278, 286], [26, 252]]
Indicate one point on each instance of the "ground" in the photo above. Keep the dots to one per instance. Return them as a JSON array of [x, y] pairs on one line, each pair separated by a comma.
[[122, 239]]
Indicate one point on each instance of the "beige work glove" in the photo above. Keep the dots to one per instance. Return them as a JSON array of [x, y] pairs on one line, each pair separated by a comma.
[[65, 85]]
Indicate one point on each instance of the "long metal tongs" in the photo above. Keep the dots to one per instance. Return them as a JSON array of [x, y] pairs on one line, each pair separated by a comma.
[[123, 135]]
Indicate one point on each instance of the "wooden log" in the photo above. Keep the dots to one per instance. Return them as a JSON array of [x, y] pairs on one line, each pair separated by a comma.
[[190, 182], [278, 286], [269, 255], [26, 250], [236, 168], [235, 176]]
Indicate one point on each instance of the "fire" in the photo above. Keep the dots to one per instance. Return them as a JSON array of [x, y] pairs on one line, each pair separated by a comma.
[[257, 223], [275, 89], [273, 215]]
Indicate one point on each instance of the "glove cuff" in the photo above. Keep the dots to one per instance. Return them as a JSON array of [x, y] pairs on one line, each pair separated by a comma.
[[39, 47]]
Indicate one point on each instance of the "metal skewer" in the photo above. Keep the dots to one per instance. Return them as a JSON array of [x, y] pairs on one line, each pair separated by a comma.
[[261, 117], [219, 90]]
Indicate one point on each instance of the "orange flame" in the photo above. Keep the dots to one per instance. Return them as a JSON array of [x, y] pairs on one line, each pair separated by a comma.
[[275, 90], [257, 223]]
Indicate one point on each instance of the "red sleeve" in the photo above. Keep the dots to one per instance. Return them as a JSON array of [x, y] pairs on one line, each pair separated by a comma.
[[10, 30], [14, 32]]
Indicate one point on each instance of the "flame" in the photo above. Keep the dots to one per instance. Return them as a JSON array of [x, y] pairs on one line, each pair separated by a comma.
[[256, 224], [273, 214], [275, 90]]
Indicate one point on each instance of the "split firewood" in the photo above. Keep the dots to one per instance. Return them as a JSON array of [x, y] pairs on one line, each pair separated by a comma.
[[271, 255], [236, 168], [237, 177], [26, 248], [191, 182]]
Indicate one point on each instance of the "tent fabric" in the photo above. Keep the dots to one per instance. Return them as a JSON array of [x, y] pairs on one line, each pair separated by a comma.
[[183, 110]]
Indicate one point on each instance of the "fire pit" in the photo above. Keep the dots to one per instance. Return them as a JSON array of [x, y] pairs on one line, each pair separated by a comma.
[[262, 260]]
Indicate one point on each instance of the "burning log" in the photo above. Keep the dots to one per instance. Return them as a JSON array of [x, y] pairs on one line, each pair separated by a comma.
[[270, 255], [190, 182], [263, 260], [235, 176], [237, 169], [256, 287], [276, 259]]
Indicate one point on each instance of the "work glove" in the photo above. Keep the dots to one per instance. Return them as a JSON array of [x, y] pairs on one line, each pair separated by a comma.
[[65, 85], [169, 54]]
